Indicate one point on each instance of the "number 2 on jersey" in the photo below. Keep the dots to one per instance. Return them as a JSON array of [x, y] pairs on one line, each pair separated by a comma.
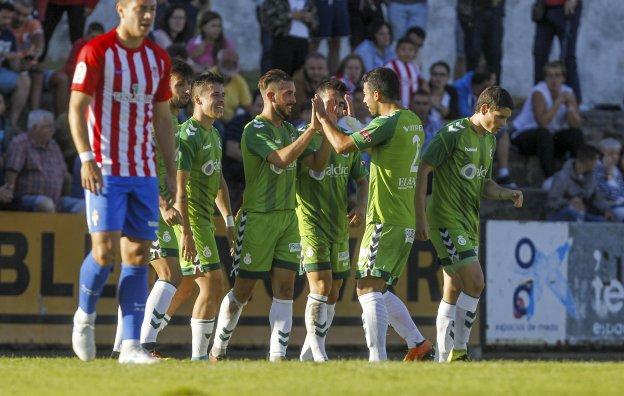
[[416, 141]]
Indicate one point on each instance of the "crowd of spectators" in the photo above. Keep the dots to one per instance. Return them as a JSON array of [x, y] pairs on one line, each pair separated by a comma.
[[381, 33]]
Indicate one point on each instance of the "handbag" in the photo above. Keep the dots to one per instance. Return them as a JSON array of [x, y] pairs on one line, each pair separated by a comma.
[[538, 11]]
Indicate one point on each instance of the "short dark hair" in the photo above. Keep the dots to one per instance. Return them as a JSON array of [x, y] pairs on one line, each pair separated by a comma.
[[95, 27], [495, 97], [385, 81], [181, 69], [481, 75], [422, 92], [376, 26], [556, 65], [272, 76], [440, 63], [314, 55], [332, 84], [417, 30], [6, 6], [404, 40], [203, 80], [587, 152]]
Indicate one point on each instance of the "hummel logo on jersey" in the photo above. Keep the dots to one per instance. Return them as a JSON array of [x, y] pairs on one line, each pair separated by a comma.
[[258, 124], [455, 127], [191, 130], [470, 149], [278, 141], [207, 146]]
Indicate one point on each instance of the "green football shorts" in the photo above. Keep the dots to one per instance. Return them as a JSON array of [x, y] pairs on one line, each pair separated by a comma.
[[455, 247], [166, 243], [207, 258], [319, 254], [384, 251], [264, 241]]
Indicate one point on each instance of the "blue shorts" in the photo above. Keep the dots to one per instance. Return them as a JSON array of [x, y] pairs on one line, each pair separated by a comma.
[[127, 204], [8, 80], [333, 19]]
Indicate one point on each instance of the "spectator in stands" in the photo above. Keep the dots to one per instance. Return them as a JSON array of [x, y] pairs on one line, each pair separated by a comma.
[[290, 23], [192, 8], [307, 80], [559, 18], [77, 13], [36, 171], [609, 177], [574, 195], [377, 51], [173, 27], [469, 87], [233, 158], [443, 96], [237, 93], [5, 137], [360, 110], [482, 26], [417, 35], [204, 47], [363, 13], [30, 43], [407, 71], [421, 105], [549, 123], [404, 14], [266, 42], [333, 25], [12, 81], [94, 29], [351, 71]]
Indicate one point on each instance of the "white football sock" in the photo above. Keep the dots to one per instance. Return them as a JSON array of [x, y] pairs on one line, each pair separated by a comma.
[[445, 333], [118, 332], [229, 312], [465, 314], [401, 320], [156, 307], [164, 322], [306, 352], [201, 330], [280, 318], [316, 322], [375, 321]]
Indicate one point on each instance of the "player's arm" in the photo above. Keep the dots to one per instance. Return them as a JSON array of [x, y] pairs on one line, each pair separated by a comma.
[[493, 191], [164, 139], [287, 155], [223, 204], [90, 173], [339, 141], [189, 251], [420, 201], [358, 213]]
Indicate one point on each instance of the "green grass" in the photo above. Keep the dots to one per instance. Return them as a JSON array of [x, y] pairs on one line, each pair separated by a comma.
[[64, 376]]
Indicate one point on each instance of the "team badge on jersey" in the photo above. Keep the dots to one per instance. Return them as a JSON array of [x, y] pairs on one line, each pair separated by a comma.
[[461, 240], [95, 217], [247, 259], [166, 236], [80, 74], [309, 252], [207, 252]]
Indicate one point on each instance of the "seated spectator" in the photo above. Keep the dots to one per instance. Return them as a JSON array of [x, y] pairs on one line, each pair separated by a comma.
[[574, 194], [306, 81], [233, 157], [290, 23], [237, 93], [407, 71], [4, 137], [333, 25], [417, 36], [172, 27], [377, 50], [421, 105], [351, 71], [549, 123], [469, 87], [204, 47], [12, 81], [36, 171], [609, 177], [30, 43], [93, 30], [443, 96], [404, 14]]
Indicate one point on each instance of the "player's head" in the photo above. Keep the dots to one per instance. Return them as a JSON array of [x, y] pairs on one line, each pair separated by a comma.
[[554, 75], [406, 50], [278, 92], [6, 15], [136, 17], [208, 94], [494, 108], [180, 83], [586, 158], [381, 85], [332, 89]]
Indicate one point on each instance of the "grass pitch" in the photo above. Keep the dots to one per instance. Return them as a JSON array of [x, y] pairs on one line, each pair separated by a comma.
[[68, 376]]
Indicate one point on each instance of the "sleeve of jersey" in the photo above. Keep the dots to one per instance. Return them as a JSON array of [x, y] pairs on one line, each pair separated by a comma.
[[163, 93], [88, 71], [259, 142], [375, 133], [186, 152], [439, 149], [358, 169]]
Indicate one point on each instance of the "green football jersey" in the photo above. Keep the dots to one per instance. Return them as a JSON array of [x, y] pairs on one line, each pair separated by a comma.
[[200, 153], [462, 161], [161, 169], [322, 196], [268, 187], [395, 143]]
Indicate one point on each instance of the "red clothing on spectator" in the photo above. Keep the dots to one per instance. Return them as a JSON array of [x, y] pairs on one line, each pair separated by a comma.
[[554, 3], [40, 169]]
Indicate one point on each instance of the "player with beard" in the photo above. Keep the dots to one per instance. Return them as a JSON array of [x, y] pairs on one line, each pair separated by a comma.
[[164, 252], [267, 236]]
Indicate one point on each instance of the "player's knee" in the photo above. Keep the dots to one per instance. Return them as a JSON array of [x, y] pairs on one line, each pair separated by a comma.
[[183, 293], [104, 255], [475, 286], [321, 286], [283, 291]]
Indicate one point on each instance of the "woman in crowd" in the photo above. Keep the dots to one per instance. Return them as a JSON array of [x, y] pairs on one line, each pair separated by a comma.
[[204, 47], [172, 28], [443, 95], [350, 71], [377, 50]]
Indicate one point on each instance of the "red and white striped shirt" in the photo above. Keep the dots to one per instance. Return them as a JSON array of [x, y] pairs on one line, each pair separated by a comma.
[[409, 75], [124, 85]]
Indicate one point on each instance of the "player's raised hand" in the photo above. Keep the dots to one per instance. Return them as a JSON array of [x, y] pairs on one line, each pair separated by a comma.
[[349, 105], [314, 121], [331, 108], [517, 198], [318, 107], [91, 177], [422, 230], [189, 251], [356, 216]]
